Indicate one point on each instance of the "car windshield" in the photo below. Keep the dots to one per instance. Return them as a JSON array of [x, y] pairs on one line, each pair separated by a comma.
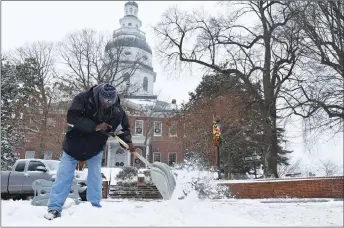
[[53, 165]]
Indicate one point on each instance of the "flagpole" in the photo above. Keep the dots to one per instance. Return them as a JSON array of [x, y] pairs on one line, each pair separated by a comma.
[[217, 125]]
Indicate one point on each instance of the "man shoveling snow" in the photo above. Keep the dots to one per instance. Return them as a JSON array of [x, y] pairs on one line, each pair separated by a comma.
[[90, 113]]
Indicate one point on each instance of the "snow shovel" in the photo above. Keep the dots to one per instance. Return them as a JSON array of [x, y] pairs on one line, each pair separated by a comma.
[[160, 173]]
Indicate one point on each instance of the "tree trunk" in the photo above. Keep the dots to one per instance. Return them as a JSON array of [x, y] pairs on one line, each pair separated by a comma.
[[274, 144], [229, 166], [43, 130]]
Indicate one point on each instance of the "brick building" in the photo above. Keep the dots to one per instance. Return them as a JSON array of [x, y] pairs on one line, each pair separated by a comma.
[[155, 131]]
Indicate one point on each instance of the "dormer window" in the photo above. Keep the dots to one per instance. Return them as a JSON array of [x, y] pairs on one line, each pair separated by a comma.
[[126, 79], [145, 84], [129, 24]]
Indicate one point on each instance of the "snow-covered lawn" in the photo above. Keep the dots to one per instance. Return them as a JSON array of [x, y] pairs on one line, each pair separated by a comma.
[[191, 211], [188, 212]]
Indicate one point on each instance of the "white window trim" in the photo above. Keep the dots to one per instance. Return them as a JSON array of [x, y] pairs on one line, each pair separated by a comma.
[[26, 154], [51, 122], [169, 157], [154, 153], [142, 127], [50, 155], [157, 134], [138, 150]]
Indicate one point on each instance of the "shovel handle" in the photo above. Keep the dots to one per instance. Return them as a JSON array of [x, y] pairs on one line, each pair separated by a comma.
[[139, 156]]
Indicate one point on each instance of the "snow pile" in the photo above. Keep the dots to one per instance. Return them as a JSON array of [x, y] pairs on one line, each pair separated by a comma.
[[111, 173], [194, 182]]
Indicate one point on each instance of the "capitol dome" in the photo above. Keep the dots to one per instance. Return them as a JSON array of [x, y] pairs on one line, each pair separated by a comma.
[[129, 42], [133, 47], [131, 3]]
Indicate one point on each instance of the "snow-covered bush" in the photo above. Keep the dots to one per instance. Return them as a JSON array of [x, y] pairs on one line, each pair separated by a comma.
[[128, 176]]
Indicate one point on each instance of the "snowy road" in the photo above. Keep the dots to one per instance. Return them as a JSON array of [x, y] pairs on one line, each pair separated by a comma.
[[188, 212]]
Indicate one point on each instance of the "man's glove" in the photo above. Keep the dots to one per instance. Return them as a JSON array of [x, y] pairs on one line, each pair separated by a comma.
[[103, 127], [131, 147]]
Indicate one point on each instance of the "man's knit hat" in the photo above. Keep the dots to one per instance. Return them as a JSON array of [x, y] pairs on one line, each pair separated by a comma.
[[107, 95]]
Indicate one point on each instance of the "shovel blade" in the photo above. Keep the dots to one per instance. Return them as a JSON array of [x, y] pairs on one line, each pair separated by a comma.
[[163, 179]]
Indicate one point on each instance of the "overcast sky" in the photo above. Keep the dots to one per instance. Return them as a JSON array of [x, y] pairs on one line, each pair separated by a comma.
[[28, 21]]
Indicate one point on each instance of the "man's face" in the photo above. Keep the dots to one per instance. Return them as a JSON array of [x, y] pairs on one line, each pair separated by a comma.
[[106, 103]]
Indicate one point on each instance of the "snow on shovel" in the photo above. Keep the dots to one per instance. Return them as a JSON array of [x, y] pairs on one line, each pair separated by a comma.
[[160, 173]]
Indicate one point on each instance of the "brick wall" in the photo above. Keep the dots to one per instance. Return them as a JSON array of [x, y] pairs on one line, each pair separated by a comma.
[[53, 138], [324, 187]]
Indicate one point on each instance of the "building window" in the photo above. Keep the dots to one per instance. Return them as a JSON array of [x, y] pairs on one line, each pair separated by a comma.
[[137, 162], [48, 155], [144, 58], [172, 130], [139, 127], [145, 84], [51, 122], [137, 26], [172, 158], [157, 128], [129, 24], [131, 10], [126, 79], [29, 154], [127, 53], [156, 157]]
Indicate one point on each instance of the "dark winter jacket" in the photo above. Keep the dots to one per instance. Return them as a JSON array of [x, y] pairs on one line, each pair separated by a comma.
[[82, 141]]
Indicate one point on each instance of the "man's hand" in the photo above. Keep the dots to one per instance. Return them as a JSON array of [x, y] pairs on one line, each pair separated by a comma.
[[103, 126], [131, 147]]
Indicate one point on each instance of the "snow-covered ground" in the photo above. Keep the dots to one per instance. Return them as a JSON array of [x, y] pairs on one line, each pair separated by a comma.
[[188, 212]]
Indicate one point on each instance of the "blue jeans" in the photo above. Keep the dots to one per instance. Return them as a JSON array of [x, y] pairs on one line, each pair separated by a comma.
[[64, 180]]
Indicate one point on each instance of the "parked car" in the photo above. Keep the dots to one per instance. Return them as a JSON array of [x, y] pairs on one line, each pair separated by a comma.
[[17, 183]]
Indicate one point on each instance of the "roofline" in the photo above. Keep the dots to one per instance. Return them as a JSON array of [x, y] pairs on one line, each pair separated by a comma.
[[153, 97]]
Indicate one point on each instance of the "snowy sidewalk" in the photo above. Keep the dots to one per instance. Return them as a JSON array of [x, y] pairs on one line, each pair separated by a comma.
[[179, 213]]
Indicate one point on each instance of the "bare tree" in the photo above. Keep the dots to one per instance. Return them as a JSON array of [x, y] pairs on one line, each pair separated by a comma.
[[264, 54], [94, 58], [292, 168], [38, 66], [317, 92], [328, 168]]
